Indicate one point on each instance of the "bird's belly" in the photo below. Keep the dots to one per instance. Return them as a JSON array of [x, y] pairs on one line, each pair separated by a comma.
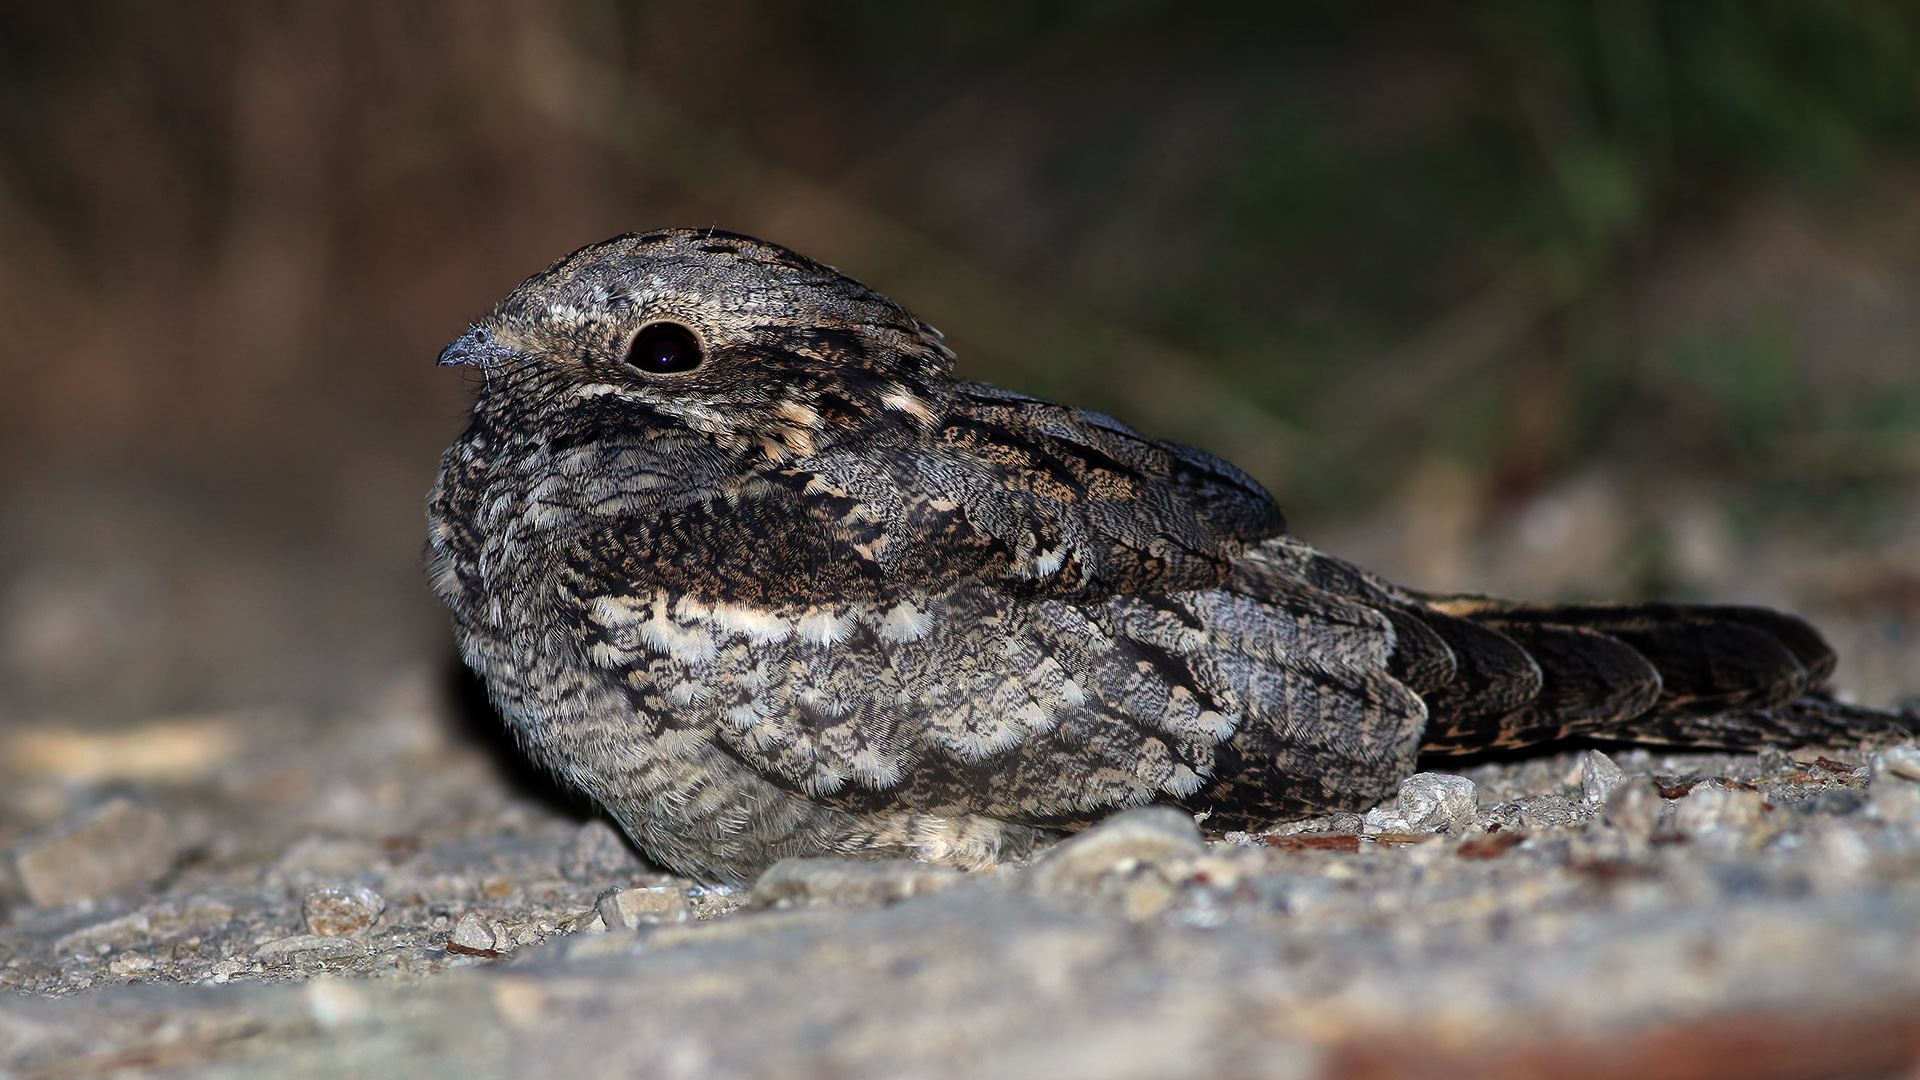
[[632, 737]]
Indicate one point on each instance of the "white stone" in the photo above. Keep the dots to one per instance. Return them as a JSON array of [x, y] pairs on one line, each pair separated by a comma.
[[1894, 790], [625, 909], [473, 932], [342, 909], [1598, 776], [1382, 820], [1437, 802], [1634, 807], [1711, 808], [1147, 835]]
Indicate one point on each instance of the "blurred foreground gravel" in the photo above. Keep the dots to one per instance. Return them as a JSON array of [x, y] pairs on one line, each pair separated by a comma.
[[373, 897]]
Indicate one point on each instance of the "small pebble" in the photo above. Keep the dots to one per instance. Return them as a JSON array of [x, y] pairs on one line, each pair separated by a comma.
[[1711, 808], [118, 847], [1147, 835], [1598, 776], [287, 950], [1894, 791], [1548, 812], [195, 915], [1836, 802], [823, 882], [1343, 822], [1841, 855], [1381, 819], [474, 933], [112, 934], [626, 909], [342, 909], [1898, 761], [130, 964], [1437, 802], [1634, 807]]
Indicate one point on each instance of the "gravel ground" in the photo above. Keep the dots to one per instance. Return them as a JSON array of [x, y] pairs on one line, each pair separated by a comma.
[[377, 895]]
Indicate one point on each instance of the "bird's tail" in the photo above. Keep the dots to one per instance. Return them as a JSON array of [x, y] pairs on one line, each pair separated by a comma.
[[1681, 674], [1498, 675]]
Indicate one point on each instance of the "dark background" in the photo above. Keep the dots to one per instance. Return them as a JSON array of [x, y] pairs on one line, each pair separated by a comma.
[[1560, 298]]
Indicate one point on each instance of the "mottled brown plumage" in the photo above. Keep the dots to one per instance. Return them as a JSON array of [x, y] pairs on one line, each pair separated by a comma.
[[737, 556]]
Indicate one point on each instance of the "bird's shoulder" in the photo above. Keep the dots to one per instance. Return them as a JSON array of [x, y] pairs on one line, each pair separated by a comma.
[[997, 487]]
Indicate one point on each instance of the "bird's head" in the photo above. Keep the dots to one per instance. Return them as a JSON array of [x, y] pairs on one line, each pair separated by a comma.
[[739, 339]]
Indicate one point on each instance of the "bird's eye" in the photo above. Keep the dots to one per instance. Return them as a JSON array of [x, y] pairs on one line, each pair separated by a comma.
[[665, 349]]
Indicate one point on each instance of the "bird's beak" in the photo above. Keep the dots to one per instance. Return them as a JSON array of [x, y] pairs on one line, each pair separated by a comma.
[[477, 346]]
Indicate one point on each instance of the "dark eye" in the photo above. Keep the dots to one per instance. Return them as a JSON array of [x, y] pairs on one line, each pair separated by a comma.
[[665, 348]]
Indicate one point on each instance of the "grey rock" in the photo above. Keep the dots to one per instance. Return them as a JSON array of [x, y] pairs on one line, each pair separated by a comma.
[[1712, 808], [1902, 762], [1145, 836], [626, 909], [121, 846], [120, 933], [193, 915], [132, 963], [473, 932], [1383, 819], [1839, 855], [824, 882], [300, 947], [1344, 823], [874, 992], [157, 922], [1267, 956], [1437, 802], [1598, 776], [341, 909], [1894, 791], [1634, 807], [1835, 802], [1549, 812]]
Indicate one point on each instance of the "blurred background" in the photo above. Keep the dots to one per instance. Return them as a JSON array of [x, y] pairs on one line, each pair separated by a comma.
[[1559, 298]]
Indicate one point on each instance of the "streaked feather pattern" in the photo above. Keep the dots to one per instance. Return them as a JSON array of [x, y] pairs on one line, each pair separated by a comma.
[[809, 594]]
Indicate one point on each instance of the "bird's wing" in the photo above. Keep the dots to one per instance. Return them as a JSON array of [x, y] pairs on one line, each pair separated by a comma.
[[1087, 507], [1021, 619], [971, 699]]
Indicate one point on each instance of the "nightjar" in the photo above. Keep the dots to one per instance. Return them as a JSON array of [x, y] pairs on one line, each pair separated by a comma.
[[737, 556]]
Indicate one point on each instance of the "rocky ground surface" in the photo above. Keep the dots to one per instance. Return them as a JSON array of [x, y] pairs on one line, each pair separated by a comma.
[[378, 895]]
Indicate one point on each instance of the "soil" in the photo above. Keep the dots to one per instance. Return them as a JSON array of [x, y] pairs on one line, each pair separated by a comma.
[[393, 893]]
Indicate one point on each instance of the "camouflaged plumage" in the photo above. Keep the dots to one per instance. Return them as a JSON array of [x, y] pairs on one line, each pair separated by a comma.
[[815, 596]]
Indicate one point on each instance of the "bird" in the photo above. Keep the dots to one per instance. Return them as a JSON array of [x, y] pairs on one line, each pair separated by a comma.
[[738, 556]]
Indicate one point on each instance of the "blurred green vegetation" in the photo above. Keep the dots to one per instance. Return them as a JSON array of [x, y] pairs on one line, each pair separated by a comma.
[[1555, 297], [1330, 240], [1387, 168]]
